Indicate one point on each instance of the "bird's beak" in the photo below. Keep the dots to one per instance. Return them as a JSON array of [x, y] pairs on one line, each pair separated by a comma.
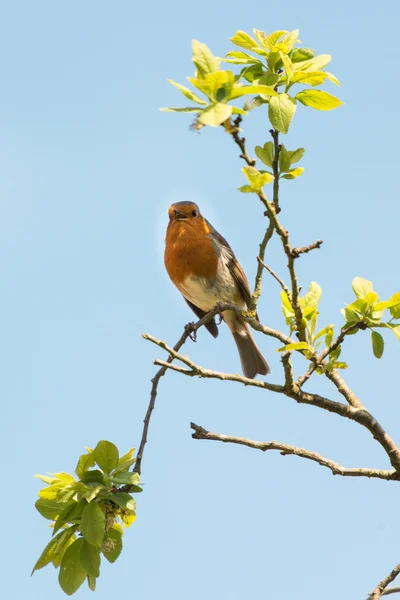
[[179, 216]]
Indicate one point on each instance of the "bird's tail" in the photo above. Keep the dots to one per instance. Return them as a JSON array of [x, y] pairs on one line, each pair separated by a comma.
[[251, 358]]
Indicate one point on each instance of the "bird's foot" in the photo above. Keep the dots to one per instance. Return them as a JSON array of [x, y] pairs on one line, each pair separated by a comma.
[[189, 330]]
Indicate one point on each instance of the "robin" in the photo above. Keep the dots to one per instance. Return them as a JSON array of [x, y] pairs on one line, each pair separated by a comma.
[[202, 265]]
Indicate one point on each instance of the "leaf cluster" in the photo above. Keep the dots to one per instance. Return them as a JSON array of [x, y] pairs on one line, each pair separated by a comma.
[[87, 514], [369, 311], [268, 74]]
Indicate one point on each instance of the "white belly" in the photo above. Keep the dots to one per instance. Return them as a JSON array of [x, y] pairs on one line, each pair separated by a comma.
[[205, 293]]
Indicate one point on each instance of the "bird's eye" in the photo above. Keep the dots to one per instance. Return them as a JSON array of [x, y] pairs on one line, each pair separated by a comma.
[[194, 213]]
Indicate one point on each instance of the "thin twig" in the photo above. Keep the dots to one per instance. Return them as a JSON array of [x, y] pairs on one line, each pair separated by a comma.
[[318, 361], [241, 142], [274, 275], [392, 590], [378, 592], [189, 330], [305, 249], [286, 449], [258, 283], [275, 168]]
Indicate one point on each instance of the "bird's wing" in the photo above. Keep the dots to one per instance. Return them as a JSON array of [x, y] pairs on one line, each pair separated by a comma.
[[211, 325], [233, 266]]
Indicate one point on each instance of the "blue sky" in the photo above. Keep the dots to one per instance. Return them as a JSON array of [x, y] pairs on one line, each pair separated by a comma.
[[88, 167]]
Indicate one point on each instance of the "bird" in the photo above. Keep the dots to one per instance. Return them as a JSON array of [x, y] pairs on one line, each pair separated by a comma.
[[204, 268]]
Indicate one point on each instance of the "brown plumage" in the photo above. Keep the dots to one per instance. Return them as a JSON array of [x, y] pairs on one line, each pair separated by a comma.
[[205, 270]]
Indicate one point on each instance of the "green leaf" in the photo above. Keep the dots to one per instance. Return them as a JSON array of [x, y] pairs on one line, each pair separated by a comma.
[[90, 559], [286, 302], [240, 58], [272, 38], [124, 500], [72, 574], [315, 64], [91, 583], [187, 93], [256, 179], [46, 479], [362, 287], [377, 344], [130, 478], [332, 78], [61, 550], [391, 303], [312, 297], [245, 90], [106, 456], [85, 462], [324, 331], [302, 54], [290, 39], [112, 546], [266, 154], [394, 328], [284, 159], [246, 189], [216, 114], [287, 63], [93, 524], [318, 99], [281, 111], [189, 109], [296, 155], [329, 337], [295, 346], [293, 173], [65, 477], [309, 77], [49, 509], [217, 86], [371, 298], [204, 59], [338, 365], [53, 547], [72, 512], [93, 476], [244, 40], [51, 492]]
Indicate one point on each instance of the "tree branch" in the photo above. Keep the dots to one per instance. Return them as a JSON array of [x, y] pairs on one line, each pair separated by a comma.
[[392, 590], [360, 416], [274, 275], [189, 330], [305, 249], [379, 591], [286, 449], [241, 142], [257, 286], [318, 360]]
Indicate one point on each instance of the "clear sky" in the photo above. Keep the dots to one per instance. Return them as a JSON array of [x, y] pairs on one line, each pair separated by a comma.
[[88, 167]]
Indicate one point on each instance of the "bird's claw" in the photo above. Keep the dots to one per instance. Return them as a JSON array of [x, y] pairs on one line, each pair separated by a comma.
[[189, 330]]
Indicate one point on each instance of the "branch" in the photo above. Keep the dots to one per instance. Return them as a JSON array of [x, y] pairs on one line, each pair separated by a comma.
[[286, 449], [318, 361], [257, 286], [189, 330], [360, 416], [241, 142], [381, 587], [274, 275], [275, 168], [305, 249], [392, 590]]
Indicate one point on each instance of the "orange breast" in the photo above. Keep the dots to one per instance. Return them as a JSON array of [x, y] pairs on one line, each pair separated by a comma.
[[189, 251]]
